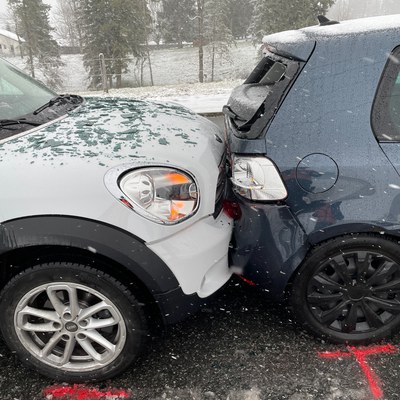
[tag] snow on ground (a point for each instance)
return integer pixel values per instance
(169, 66)
(175, 76)
(203, 98)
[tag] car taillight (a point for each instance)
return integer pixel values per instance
(232, 209)
(257, 178)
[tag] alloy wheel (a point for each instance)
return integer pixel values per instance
(355, 292)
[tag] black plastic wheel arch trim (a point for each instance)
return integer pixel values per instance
(109, 241)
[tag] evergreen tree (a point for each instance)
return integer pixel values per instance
(115, 28)
(271, 16)
(33, 25)
(213, 31)
(177, 21)
(240, 13)
(217, 30)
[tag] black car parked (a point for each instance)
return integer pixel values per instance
(313, 138)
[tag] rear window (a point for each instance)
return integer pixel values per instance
(258, 98)
(386, 108)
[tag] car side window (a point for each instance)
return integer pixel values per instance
(386, 108)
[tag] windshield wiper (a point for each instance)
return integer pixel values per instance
(61, 99)
(10, 122)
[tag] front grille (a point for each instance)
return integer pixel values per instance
(221, 187)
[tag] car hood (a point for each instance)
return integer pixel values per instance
(61, 168)
(111, 130)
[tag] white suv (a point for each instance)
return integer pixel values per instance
(111, 223)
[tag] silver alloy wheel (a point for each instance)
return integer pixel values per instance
(70, 326)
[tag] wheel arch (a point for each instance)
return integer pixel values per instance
(33, 240)
(334, 231)
(318, 239)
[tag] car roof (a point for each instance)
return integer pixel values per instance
(298, 43)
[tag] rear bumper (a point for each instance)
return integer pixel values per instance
(269, 245)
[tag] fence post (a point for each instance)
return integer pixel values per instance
(103, 73)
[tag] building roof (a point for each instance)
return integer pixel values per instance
(11, 35)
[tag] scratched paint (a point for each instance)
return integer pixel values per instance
(82, 392)
(360, 354)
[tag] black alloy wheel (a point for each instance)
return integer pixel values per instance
(348, 289)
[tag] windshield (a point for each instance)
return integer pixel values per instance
(19, 94)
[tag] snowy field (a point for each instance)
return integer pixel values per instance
(175, 75)
(170, 67)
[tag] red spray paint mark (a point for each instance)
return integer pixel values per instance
(360, 355)
(248, 281)
(81, 392)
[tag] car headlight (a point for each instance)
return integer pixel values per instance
(257, 178)
(164, 195)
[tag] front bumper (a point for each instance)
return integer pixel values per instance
(198, 255)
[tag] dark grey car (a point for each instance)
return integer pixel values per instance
(314, 144)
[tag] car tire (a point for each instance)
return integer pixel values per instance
(72, 322)
(348, 289)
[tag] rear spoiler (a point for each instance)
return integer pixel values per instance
(294, 45)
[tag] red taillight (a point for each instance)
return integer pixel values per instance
(232, 209)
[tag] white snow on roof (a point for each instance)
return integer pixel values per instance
(10, 35)
(360, 25)
(285, 37)
(354, 26)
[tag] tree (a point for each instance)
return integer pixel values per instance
(275, 15)
(200, 40)
(218, 30)
(341, 10)
(68, 22)
(240, 13)
(391, 7)
(114, 28)
(176, 21)
(32, 23)
(213, 31)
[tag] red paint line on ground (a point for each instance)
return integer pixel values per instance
(81, 392)
(248, 281)
(360, 354)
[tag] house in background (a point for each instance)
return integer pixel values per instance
(10, 43)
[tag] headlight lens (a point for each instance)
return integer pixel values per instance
(257, 178)
(165, 195)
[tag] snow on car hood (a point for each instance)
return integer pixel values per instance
(110, 131)
(60, 168)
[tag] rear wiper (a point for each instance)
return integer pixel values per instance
(230, 113)
(10, 122)
(61, 99)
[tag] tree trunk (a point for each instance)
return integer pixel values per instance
(29, 39)
(200, 15)
(118, 73)
(212, 63)
(150, 68)
(214, 37)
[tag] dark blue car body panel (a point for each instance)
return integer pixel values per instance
(339, 178)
